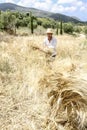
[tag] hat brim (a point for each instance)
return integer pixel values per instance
(49, 32)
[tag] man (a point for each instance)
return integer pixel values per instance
(50, 43)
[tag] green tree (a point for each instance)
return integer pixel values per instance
(39, 21)
(1, 24)
(57, 28)
(32, 24)
(9, 21)
(0, 12)
(77, 29)
(61, 27)
(68, 28)
(46, 23)
(85, 30)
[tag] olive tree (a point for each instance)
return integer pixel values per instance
(8, 21)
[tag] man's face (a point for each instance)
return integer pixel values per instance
(49, 35)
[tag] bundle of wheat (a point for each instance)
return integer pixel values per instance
(68, 102)
(62, 103)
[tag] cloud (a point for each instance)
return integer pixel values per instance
(40, 4)
(79, 3)
(75, 3)
(82, 8)
(66, 1)
(62, 9)
(43, 5)
(10, 1)
(2, 1)
(71, 6)
(26, 2)
(60, 6)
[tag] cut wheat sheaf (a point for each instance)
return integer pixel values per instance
(40, 93)
(68, 101)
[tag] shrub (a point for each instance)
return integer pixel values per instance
(85, 30)
(5, 67)
(8, 21)
(1, 26)
(34, 25)
(77, 29)
(68, 28)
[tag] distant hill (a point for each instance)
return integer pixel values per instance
(76, 18)
(39, 13)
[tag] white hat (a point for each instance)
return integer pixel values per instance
(49, 30)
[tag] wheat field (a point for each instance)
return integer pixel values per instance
(41, 93)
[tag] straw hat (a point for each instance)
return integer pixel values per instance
(49, 30)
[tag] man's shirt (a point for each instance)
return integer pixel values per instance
(52, 44)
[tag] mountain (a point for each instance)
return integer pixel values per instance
(76, 18)
(39, 13)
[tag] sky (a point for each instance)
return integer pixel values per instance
(77, 8)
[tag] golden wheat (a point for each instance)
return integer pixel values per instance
(40, 93)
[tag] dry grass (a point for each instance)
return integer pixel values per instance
(38, 92)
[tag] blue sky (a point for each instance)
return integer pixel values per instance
(76, 8)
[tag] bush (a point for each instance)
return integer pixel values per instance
(47, 23)
(68, 28)
(1, 26)
(5, 67)
(85, 30)
(77, 29)
(39, 21)
(34, 25)
(8, 21)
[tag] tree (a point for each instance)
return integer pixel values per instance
(0, 12)
(57, 28)
(68, 28)
(31, 22)
(61, 27)
(39, 21)
(1, 24)
(8, 21)
(85, 30)
(46, 22)
(77, 29)
(34, 25)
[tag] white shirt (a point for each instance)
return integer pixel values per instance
(52, 44)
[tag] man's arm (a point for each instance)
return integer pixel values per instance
(40, 49)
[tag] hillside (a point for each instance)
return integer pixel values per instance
(38, 13)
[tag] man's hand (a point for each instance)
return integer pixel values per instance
(37, 48)
(46, 50)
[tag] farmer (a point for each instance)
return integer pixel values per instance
(50, 43)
